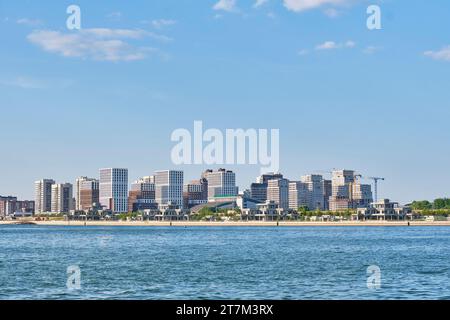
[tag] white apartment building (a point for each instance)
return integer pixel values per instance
(62, 198)
(298, 195)
(114, 189)
(43, 195)
(278, 192)
(315, 191)
(221, 183)
(169, 187)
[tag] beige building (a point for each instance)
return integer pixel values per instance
(278, 192)
(62, 198)
(298, 195)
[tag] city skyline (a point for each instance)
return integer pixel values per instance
(326, 175)
(341, 95)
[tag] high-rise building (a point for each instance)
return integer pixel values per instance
(142, 195)
(348, 192)
(278, 191)
(258, 190)
(88, 194)
(62, 198)
(221, 184)
(315, 194)
(78, 183)
(327, 192)
(264, 178)
(43, 195)
(298, 195)
(169, 187)
(195, 193)
(148, 179)
(361, 195)
(341, 182)
(114, 189)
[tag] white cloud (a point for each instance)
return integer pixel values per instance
(95, 44)
(371, 49)
(302, 52)
(330, 45)
(27, 82)
(332, 13)
(160, 23)
(24, 83)
(327, 45)
(303, 5)
(443, 54)
(259, 3)
(225, 5)
(350, 44)
(29, 22)
(115, 15)
(124, 33)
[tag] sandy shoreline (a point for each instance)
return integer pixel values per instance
(234, 224)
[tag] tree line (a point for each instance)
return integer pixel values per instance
(437, 204)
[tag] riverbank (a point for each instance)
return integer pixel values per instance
(232, 224)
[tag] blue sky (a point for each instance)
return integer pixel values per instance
(111, 94)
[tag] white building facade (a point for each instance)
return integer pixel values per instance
(43, 195)
(114, 189)
(169, 187)
(221, 183)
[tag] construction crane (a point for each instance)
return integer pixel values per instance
(375, 183)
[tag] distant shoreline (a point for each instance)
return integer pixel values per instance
(231, 224)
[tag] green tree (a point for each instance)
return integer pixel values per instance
(422, 205)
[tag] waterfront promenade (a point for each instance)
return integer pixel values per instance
(232, 223)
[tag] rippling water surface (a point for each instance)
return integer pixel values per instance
(224, 263)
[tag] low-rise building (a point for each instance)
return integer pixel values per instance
(383, 210)
(166, 212)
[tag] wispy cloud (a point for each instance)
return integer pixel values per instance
(443, 54)
(225, 5)
(27, 82)
(330, 45)
(371, 49)
(259, 3)
(331, 8)
(332, 12)
(101, 44)
(327, 45)
(303, 5)
(117, 15)
(29, 22)
(24, 83)
(161, 23)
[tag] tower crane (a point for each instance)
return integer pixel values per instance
(375, 182)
